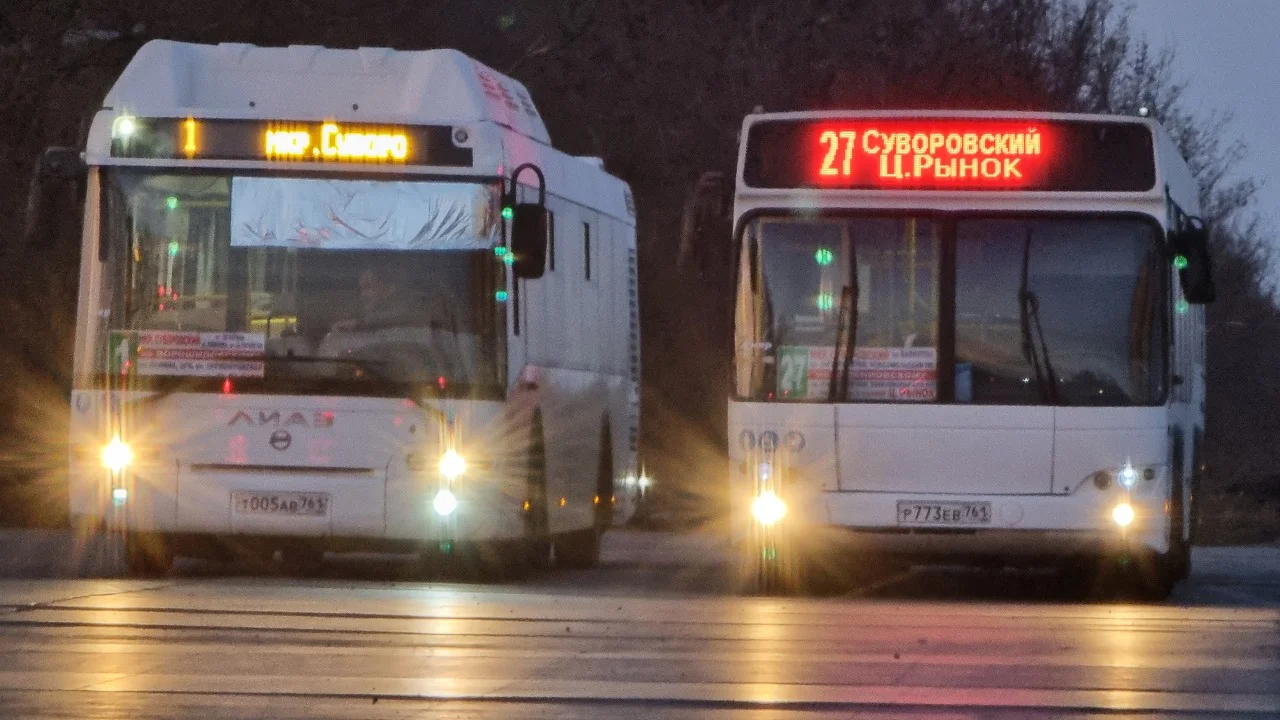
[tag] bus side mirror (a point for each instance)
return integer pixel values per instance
(702, 223)
(58, 169)
(529, 240)
(62, 163)
(1195, 266)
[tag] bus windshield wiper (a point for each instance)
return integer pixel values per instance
(846, 343)
(1029, 314)
(368, 366)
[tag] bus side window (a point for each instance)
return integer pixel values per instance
(551, 241)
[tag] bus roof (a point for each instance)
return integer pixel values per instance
(308, 82)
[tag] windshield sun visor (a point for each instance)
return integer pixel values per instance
(329, 214)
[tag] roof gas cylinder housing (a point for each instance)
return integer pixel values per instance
(305, 103)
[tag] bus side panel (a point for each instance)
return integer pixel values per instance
(624, 360)
(564, 345)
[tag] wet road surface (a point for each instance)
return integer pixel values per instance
(653, 634)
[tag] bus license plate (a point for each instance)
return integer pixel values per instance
(944, 513)
(281, 503)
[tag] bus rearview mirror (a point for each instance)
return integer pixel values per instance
(58, 171)
(1195, 269)
(529, 240)
(62, 163)
(702, 225)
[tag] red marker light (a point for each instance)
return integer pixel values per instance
(441, 382)
(226, 386)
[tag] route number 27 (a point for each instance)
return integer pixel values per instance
(833, 141)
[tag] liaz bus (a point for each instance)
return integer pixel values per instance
(966, 336)
(335, 299)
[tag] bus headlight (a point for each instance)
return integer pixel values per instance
(452, 464)
(116, 455)
(445, 503)
(124, 127)
(768, 508)
(1122, 514)
(1127, 477)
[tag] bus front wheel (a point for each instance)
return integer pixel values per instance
(147, 554)
(580, 549)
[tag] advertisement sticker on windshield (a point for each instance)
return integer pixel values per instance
(193, 354)
(888, 374)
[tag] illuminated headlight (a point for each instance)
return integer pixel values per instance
(445, 502)
(1127, 477)
(765, 471)
(117, 455)
(1122, 514)
(768, 508)
(124, 126)
(119, 496)
(452, 464)
(645, 482)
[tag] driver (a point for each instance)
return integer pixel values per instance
(384, 300)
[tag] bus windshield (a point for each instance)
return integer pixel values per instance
(1012, 310)
(301, 285)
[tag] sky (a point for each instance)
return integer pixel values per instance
(1227, 50)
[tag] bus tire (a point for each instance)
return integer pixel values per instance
(580, 549)
(604, 481)
(1176, 563)
(301, 558)
(146, 554)
(771, 565)
(1144, 575)
(1079, 577)
(535, 547)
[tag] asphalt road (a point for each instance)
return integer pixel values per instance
(651, 634)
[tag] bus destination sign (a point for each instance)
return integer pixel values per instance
(286, 141)
(946, 154)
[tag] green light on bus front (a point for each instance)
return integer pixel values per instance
(171, 202)
(825, 301)
(1180, 262)
(1182, 307)
(824, 256)
(174, 248)
(500, 296)
(508, 213)
(499, 251)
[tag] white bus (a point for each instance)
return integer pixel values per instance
(336, 299)
(966, 336)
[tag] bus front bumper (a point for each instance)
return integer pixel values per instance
(1023, 526)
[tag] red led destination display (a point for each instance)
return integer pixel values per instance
(946, 154)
